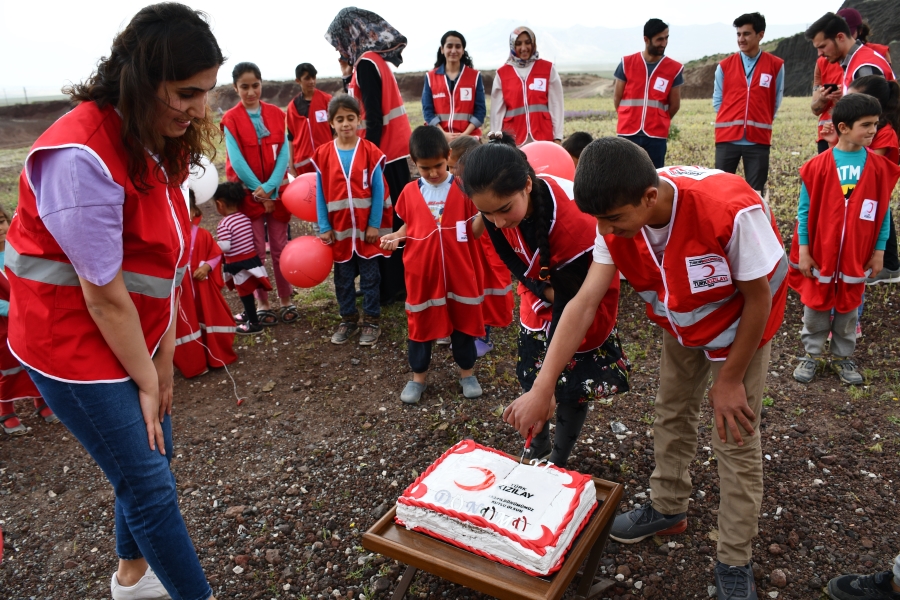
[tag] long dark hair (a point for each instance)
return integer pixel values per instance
(442, 60)
(163, 42)
(888, 95)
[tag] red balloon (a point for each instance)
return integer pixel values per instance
(550, 159)
(299, 197)
(306, 261)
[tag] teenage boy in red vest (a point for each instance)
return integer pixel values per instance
(648, 93)
(843, 219)
(307, 120)
(702, 250)
(832, 39)
(748, 90)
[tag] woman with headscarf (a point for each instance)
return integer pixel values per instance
(367, 43)
(527, 97)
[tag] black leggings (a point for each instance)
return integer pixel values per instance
(570, 419)
(249, 303)
(461, 344)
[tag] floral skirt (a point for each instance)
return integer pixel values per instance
(598, 373)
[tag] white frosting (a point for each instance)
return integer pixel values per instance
(492, 504)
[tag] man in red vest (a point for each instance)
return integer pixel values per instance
(648, 93)
(748, 91)
(832, 39)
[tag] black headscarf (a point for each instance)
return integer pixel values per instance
(355, 31)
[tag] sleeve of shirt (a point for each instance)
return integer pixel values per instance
(867, 70)
(498, 106)
(620, 71)
(480, 111)
(223, 237)
(238, 163)
(321, 206)
(82, 208)
(377, 210)
(601, 251)
(881, 242)
(557, 105)
(754, 249)
(679, 79)
(278, 173)
(428, 105)
(370, 89)
(717, 88)
(779, 89)
(803, 216)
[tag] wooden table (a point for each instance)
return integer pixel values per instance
(420, 551)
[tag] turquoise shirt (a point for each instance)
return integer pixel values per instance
(849, 166)
(377, 210)
(240, 166)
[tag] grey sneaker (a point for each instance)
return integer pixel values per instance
(735, 583)
(885, 276)
(846, 371)
(470, 386)
(863, 587)
(645, 521)
(370, 334)
(806, 369)
(443, 341)
(344, 332)
(412, 393)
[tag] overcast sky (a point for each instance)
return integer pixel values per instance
(43, 44)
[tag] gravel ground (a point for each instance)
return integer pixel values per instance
(277, 492)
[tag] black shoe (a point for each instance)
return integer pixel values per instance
(536, 452)
(863, 587)
(645, 521)
(735, 583)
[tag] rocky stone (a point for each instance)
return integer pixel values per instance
(382, 584)
(273, 557)
(776, 550)
(242, 560)
(624, 571)
(778, 578)
(235, 511)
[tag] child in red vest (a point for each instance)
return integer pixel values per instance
(353, 208)
(498, 305)
(307, 120)
(14, 381)
(842, 228)
(205, 327)
(444, 284)
(244, 271)
(258, 155)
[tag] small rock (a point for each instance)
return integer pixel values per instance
(354, 361)
(273, 557)
(705, 550)
(382, 584)
(238, 570)
(70, 564)
(638, 585)
(711, 591)
(867, 543)
(235, 511)
(773, 594)
(380, 510)
(270, 385)
(624, 571)
(776, 550)
(366, 426)
(618, 427)
(242, 560)
(815, 583)
(620, 577)
(778, 578)
(828, 460)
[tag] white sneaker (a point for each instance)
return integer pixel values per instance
(147, 588)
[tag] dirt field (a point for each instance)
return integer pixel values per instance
(284, 485)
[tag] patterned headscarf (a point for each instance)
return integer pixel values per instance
(355, 31)
(513, 57)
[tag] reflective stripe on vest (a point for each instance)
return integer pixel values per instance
(217, 328)
(302, 162)
(188, 338)
(466, 299)
(650, 104)
(53, 272)
(526, 109)
(456, 117)
(349, 203)
(825, 280)
(498, 291)
(443, 301)
(390, 116)
(360, 235)
(10, 372)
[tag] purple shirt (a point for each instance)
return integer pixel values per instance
(81, 206)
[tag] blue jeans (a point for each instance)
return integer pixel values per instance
(655, 147)
(106, 418)
(369, 273)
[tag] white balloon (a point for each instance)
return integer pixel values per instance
(203, 180)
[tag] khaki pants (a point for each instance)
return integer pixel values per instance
(683, 378)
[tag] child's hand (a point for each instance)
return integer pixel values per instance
(327, 237)
(391, 241)
(202, 272)
(807, 264)
(260, 194)
(371, 235)
(876, 263)
(269, 205)
(529, 410)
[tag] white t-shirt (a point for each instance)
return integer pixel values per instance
(753, 251)
(436, 195)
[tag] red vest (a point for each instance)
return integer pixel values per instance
(830, 73)
(396, 130)
(842, 232)
(497, 309)
(645, 101)
(309, 133)
(260, 155)
(527, 102)
(881, 49)
(572, 234)
(455, 108)
(50, 328)
(747, 109)
(444, 286)
(886, 139)
(866, 56)
(15, 384)
(349, 198)
(691, 294)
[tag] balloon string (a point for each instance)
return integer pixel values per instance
(199, 341)
(439, 228)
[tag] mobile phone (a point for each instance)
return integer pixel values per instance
(830, 87)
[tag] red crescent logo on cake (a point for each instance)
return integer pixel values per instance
(489, 479)
(418, 492)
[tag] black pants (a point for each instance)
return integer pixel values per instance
(822, 146)
(570, 419)
(654, 147)
(891, 261)
(756, 162)
(393, 285)
(461, 344)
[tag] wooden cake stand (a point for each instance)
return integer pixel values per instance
(420, 551)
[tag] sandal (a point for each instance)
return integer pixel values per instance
(46, 413)
(248, 329)
(289, 314)
(267, 318)
(241, 318)
(16, 430)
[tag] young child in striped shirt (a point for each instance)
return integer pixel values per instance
(244, 272)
